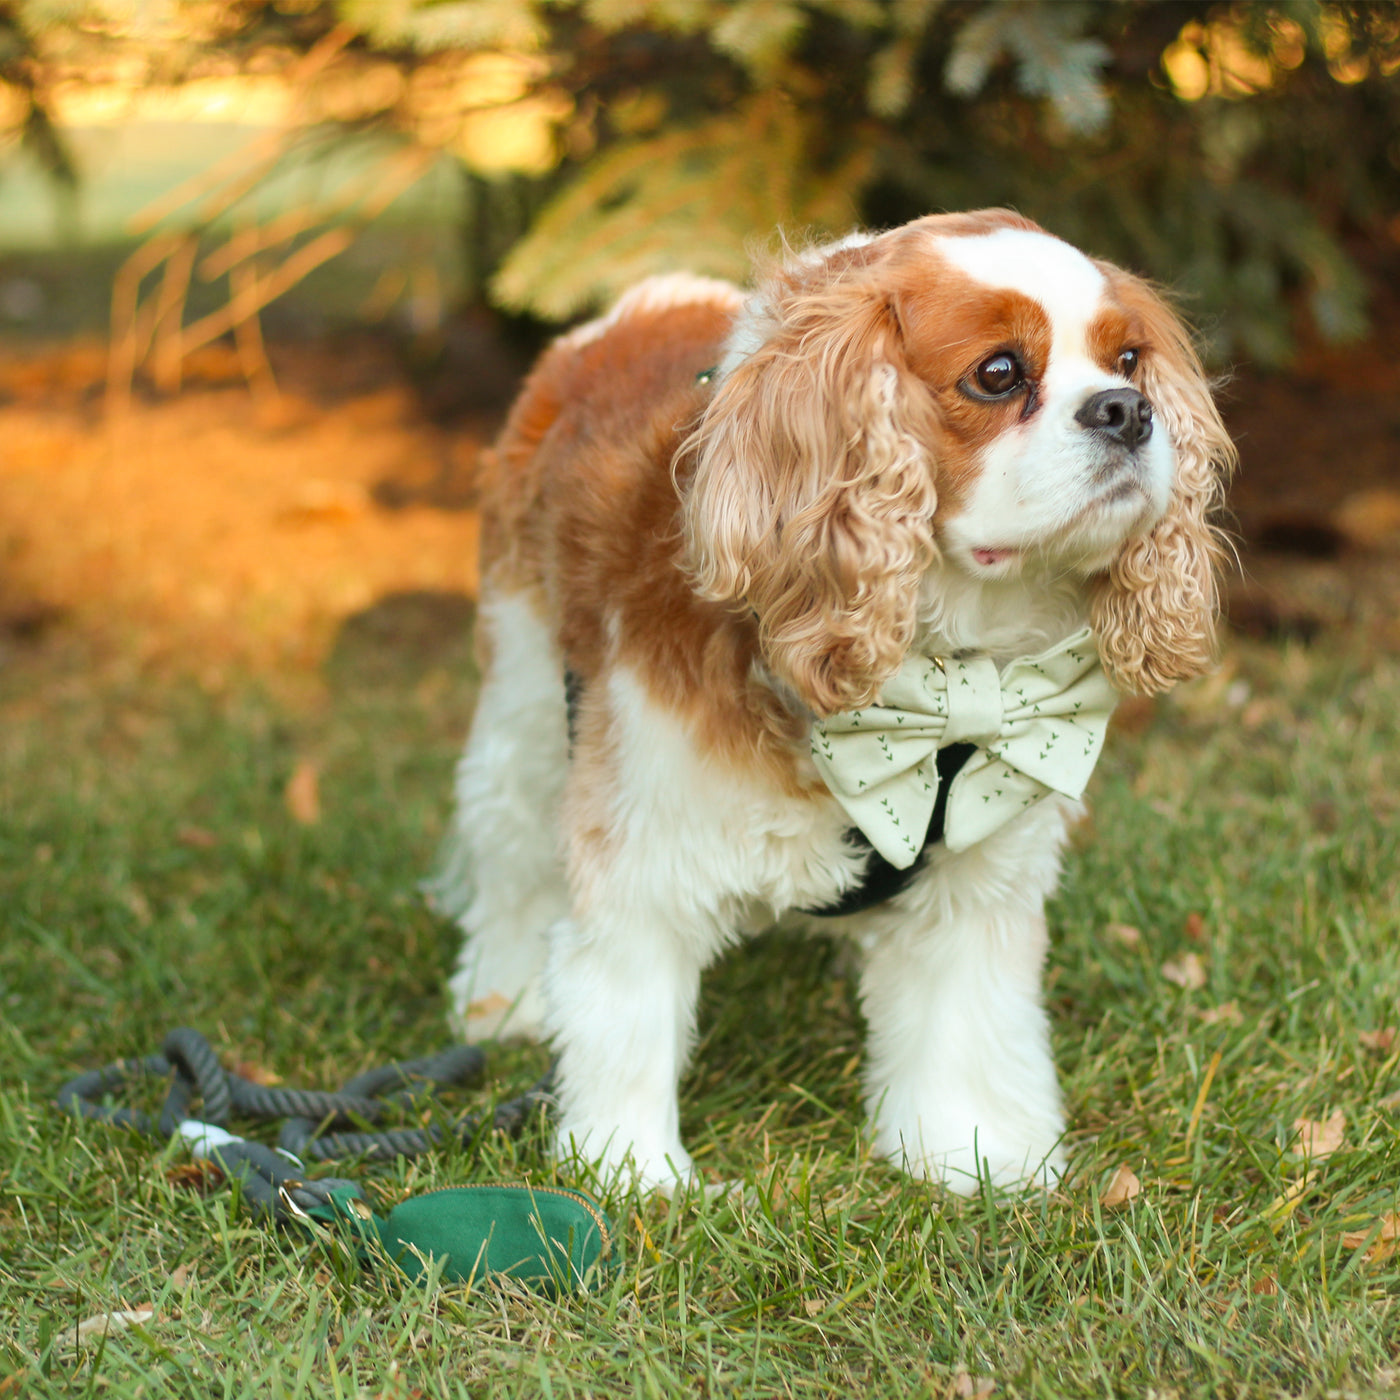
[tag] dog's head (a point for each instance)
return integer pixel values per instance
(970, 393)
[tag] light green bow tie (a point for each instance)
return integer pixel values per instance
(1039, 727)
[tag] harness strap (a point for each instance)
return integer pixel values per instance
(882, 880)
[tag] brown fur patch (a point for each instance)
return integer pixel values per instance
(583, 516)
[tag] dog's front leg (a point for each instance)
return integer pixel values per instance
(961, 1082)
(621, 991)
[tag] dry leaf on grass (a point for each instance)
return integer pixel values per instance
(256, 1073)
(95, 1328)
(303, 793)
(1123, 1188)
(1195, 927)
(1382, 1041)
(197, 838)
(1383, 1245)
(1227, 1013)
(1125, 934)
(967, 1387)
(1320, 1139)
(1187, 971)
(200, 1175)
(1265, 1287)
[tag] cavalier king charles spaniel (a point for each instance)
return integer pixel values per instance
(812, 605)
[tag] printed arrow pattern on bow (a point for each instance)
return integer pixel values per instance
(880, 761)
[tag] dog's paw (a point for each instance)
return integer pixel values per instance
(963, 1169)
(668, 1170)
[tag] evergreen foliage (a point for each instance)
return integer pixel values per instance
(1244, 151)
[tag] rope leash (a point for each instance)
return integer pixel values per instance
(547, 1235)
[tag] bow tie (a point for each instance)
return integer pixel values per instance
(1038, 725)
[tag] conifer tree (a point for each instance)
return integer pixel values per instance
(1244, 151)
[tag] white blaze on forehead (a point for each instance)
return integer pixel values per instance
(1056, 275)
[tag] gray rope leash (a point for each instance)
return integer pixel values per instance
(271, 1177)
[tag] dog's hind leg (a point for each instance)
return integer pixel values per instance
(500, 875)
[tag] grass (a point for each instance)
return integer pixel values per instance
(152, 875)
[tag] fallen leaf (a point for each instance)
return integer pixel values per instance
(101, 1324)
(180, 1279)
(1125, 934)
(813, 1307)
(1382, 1041)
(1123, 1188)
(200, 1175)
(303, 793)
(1265, 1287)
(1384, 1244)
(1187, 971)
(1227, 1013)
(966, 1386)
(1195, 927)
(1320, 1139)
(197, 838)
(256, 1074)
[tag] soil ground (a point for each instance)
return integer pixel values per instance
(220, 534)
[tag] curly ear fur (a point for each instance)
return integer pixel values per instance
(811, 493)
(1155, 608)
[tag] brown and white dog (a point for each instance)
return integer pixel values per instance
(723, 517)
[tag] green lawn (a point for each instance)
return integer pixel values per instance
(151, 875)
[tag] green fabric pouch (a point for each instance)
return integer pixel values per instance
(547, 1236)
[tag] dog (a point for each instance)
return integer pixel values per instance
(776, 590)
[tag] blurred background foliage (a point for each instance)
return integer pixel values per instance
(1246, 153)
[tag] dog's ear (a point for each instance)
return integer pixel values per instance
(809, 489)
(1155, 608)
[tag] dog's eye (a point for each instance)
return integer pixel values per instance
(1128, 362)
(999, 374)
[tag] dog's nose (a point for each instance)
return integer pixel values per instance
(1123, 414)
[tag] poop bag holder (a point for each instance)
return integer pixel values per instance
(547, 1236)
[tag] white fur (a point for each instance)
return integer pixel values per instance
(961, 1082)
(1050, 271)
(655, 294)
(502, 875)
(698, 855)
